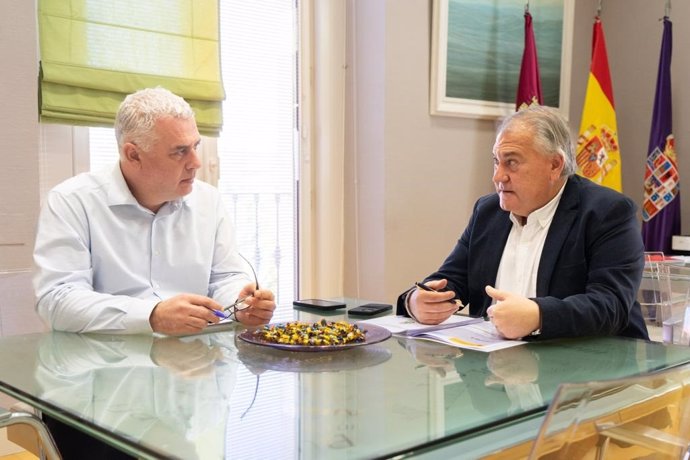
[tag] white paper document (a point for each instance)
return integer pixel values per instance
(458, 331)
(480, 336)
(397, 324)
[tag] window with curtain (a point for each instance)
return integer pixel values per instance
(94, 52)
(257, 152)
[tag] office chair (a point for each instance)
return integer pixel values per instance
(46, 442)
(664, 295)
(646, 416)
(675, 317)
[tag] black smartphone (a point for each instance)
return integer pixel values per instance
(319, 304)
(370, 309)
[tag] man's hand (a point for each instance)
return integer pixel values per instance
(513, 315)
(184, 314)
(260, 306)
(430, 307)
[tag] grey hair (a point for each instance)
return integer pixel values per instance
(551, 133)
(137, 115)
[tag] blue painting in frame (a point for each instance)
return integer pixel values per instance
(477, 48)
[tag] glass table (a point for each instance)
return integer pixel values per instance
(214, 396)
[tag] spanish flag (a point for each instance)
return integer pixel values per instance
(598, 157)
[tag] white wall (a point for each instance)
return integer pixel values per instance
(19, 194)
(406, 198)
(412, 178)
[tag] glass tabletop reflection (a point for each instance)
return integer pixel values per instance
(214, 396)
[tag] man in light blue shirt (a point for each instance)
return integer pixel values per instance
(143, 247)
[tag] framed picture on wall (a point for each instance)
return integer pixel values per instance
(477, 49)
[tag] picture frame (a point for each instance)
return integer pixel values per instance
(482, 89)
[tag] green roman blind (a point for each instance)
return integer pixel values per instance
(95, 52)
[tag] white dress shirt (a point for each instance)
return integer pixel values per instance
(517, 272)
(103, 261)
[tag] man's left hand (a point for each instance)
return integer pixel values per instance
(513, 315)
(261, 306)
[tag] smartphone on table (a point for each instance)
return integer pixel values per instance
(319, 304)
(370, 309)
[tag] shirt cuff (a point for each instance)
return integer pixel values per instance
(137, 320)
(407, 305)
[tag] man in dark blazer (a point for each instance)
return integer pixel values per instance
(565, 255)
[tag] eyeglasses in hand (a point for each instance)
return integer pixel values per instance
(239, 304)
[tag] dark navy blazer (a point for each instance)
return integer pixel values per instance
(590, 268)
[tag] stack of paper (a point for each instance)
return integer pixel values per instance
(458, 331)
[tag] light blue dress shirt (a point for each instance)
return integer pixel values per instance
(103, 261)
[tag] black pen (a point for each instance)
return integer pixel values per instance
(424, 287)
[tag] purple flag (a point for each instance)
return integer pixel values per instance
(661, 207)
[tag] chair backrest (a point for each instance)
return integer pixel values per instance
(675, 316)
(644, 416)
(649, 293)
(664, 295)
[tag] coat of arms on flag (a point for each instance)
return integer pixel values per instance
(596, 149)
(660, 179)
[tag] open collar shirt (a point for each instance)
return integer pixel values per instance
(517, 272)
